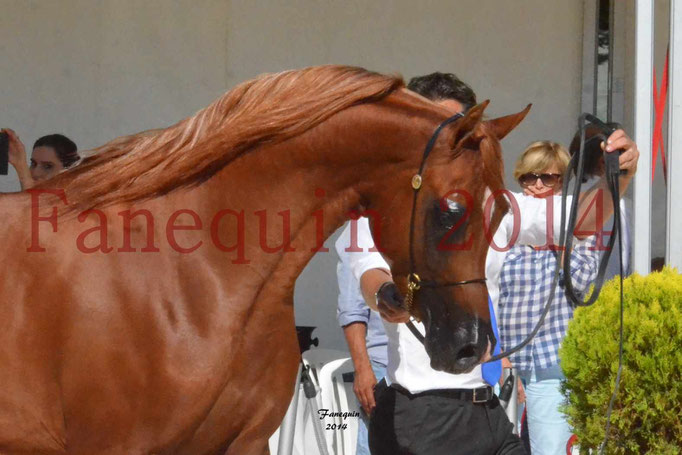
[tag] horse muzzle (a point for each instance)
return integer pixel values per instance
(457, 346)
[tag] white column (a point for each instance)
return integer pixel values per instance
(673, 251)
(644, 37)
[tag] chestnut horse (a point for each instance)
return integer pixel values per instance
(153, 314)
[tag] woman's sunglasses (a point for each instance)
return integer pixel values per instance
(530, 178)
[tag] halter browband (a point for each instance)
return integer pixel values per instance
(414, 282)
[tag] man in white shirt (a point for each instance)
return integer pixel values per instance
(424, 411)
(362, 327)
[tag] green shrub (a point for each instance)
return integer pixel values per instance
(647, 415)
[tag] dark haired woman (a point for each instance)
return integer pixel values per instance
(51, 155)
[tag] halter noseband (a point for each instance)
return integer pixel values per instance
(414, 282)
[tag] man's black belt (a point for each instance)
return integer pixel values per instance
(478, 395)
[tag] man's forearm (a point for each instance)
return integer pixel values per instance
(618, 142)
(370, 282)
(592, 217)
(355, 334)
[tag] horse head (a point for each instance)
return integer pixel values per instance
(458, 208)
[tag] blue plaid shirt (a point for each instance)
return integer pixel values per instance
(525, 284)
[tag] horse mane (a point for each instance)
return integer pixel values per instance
(268, 109)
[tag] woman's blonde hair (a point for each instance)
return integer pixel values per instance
(540, 155)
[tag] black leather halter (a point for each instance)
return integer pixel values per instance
(414, 282)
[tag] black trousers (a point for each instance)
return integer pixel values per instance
(433, 423)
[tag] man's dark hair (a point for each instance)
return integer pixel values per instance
(593, 152)
(443, 86)
(63, 147)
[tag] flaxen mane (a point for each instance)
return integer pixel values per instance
(268, 109)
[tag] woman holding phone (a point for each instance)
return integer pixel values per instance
(51, 155)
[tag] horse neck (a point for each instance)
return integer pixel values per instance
(317, 179)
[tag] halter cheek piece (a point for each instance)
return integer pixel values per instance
(414, 282)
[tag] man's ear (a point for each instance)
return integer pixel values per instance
(504, 125)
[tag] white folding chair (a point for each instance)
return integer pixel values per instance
(316, 360)
(338, 397)
(304, 439)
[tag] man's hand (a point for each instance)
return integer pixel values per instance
(363, 386)
(619, 140)
(390, 303)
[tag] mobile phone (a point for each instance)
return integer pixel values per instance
(4, 153)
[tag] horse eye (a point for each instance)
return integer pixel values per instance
(453, 205)
(451, 214)
(448, 225)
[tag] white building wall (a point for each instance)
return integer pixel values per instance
(97, 70)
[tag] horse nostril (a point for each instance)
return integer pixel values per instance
(467, 355)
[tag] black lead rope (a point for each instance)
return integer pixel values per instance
(612, 167)
(612, 401)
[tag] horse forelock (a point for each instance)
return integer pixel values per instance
(268, 109)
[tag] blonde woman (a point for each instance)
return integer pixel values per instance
(540, 168)
(525, 281)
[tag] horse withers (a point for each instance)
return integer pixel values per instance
(147, 295)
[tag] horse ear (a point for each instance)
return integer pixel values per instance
(471, 119)
(503, 125)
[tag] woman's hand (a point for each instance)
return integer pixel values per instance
(17, 158)
(17, 151)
